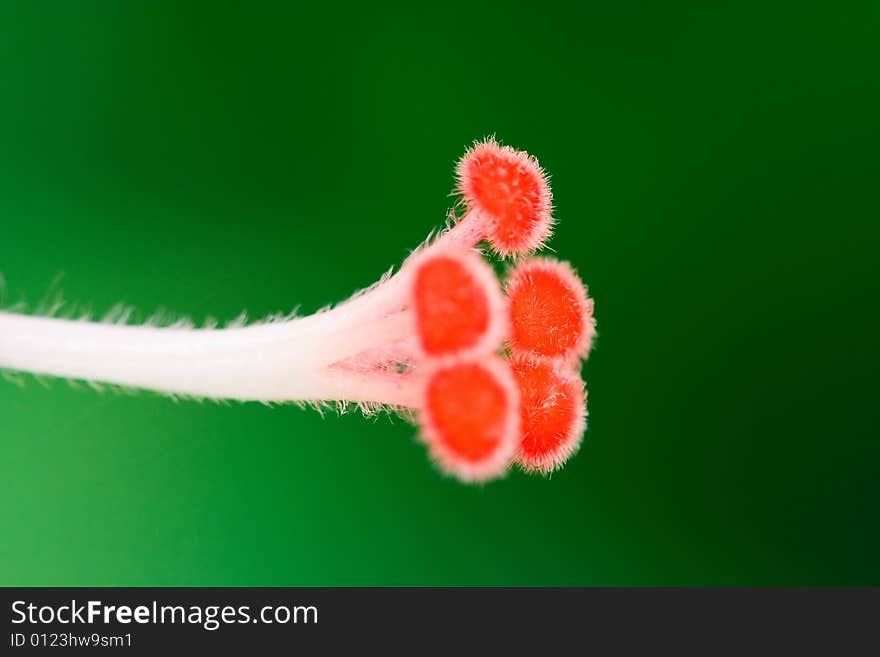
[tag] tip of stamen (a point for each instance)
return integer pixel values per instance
(458, 304)
(470, 418)
(552, 411)
(509, 189)
(550, 313)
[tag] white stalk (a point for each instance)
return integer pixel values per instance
(303, 359)
(385, 299)
(466, 233)
(281, 361)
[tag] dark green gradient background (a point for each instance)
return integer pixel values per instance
(716, 180)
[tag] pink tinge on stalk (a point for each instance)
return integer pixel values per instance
(550, 313)
(470, 417)
(451, 305)
(509, 204)
(507, 192)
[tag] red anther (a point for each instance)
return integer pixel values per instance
(552, 410)
(550, 314)
(470, 416)
(509, 189)
(458, 303)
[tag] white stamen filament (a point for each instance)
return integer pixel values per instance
(340, 354)
(278, 361)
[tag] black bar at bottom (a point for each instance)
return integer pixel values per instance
(460, 620)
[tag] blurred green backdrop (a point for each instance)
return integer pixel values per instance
(716, 180)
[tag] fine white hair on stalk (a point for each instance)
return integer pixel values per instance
(280, 358)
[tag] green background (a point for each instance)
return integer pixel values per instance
(715, 173)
